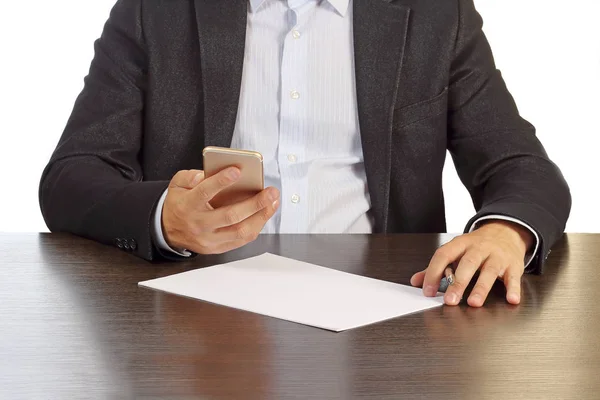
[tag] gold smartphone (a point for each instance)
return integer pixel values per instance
(250, 163)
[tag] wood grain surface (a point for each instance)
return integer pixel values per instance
(74, 324)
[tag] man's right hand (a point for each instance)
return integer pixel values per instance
(190, 222)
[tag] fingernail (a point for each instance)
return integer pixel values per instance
(197, 179)
(233, 173)
(513, 298)
(452, 298)
(275, 203)
(476, 298)
(272, 196)
(429, 291)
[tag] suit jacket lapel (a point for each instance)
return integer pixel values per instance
(380, 30)
(222, 33)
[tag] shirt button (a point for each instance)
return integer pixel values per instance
(295, 95)
(295, 199)
(292, 158)
(296, 34)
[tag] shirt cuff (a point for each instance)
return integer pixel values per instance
(529, 256)
(159, 238)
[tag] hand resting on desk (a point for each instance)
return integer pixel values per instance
(497, 248)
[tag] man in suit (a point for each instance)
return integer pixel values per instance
(353, 104)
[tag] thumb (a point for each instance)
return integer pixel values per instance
(187, 179)
(417, 279)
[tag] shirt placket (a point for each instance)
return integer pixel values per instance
(293, 124)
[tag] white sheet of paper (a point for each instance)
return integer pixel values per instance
(296, 291)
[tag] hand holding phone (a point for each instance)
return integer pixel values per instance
(192, 220)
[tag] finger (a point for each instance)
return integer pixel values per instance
(417, 279)
(210, 187)
(512, 281)
(187, 179)
(443, 257)
(205, 247)
(229, 246)
(490, 272)
(249, 228)
(233, 237)
(469, 263)
(236, 213)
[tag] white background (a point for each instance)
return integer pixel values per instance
(548, 51)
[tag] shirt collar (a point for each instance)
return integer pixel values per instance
(255, 5)
(341, 6)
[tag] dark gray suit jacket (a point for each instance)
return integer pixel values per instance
(165, 82)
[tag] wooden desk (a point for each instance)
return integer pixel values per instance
(74, 324)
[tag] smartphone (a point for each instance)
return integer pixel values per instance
(250, 163)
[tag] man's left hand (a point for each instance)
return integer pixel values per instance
(497, 248)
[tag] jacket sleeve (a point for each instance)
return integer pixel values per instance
(93, 185)
(496, 152)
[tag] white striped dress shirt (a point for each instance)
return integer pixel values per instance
(298, 109)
